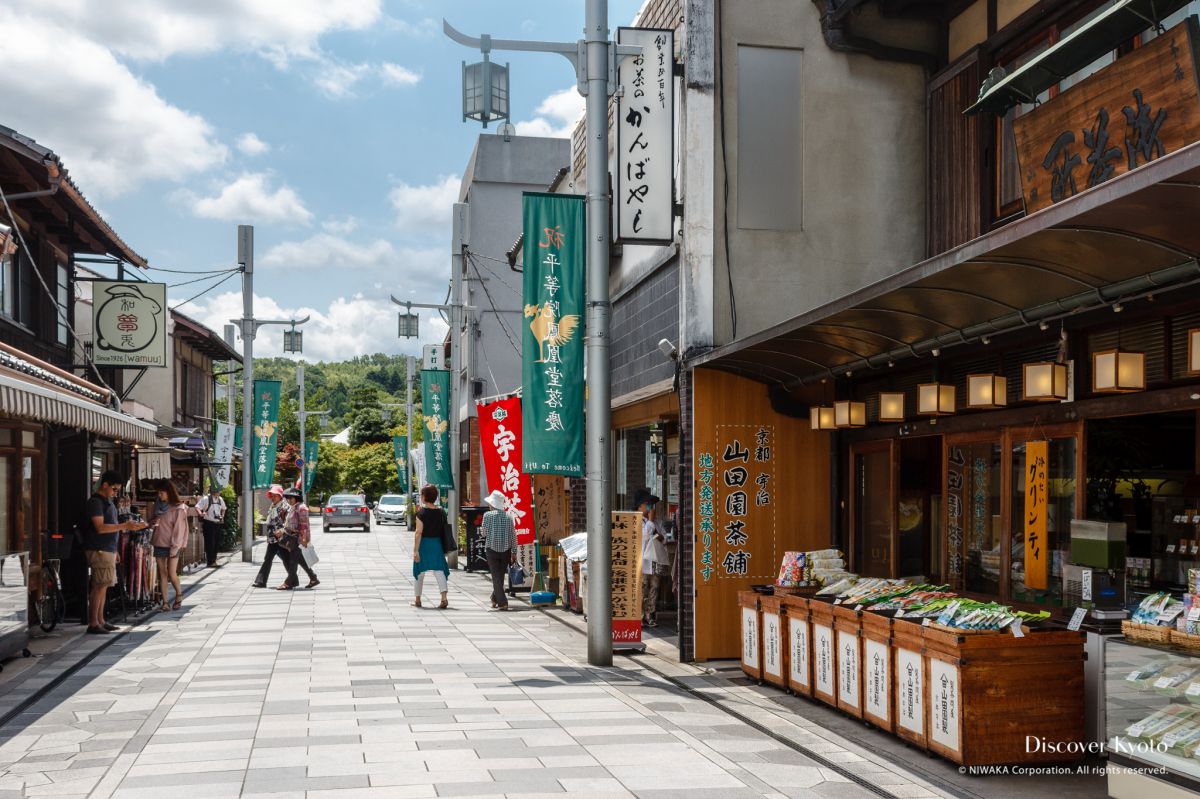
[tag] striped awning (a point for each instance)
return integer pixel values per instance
(23, 399)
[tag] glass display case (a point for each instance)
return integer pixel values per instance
(1152, 716)
(1174, 541)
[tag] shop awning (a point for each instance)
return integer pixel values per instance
(153, 464)
(1131, 236)
(23, 399)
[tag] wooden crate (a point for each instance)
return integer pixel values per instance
(751, 615)
(909, 682)
(878, 672)
(774, 640)
(986, 693)
(798, 645)
(847, 631)
(824, 652)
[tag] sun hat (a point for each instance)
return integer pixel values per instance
(276, 489)
(497, 499)
(293, 493)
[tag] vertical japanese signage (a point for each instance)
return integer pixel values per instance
(500, 440)
(1141, 107)
(222, 453)
(400, 456)
(435, 399)
(643, 193)
(266, 431)
(129, 321)
(552, 339)
(626, 577)
(550, 509)
(736, 506)
(956, 482)
(311, 451)
(418, 461)
(1037, 550)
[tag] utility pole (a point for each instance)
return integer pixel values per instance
(458, 240)
(410, 368)
(300, 418)
(595, 60)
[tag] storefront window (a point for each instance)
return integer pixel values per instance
(973, 480)
(873, 513)
(1059, 509)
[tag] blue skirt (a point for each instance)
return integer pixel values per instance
(433, 557)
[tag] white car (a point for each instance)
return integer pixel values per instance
(391, 509)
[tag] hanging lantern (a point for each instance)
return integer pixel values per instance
(1044, 381)
(849, 414)
(1194, 351)
(821, 418)
(987, 391)
(891, 406)
(935, 399)
(1118, 371)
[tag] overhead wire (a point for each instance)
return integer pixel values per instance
(493, 272)
(499, 317)
(199, 279)
(205, 291)
(187, 271)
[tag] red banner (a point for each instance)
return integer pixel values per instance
(500, 440)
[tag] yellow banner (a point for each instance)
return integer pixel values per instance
(1037, 546)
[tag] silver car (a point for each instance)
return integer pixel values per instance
(346, 510)
(391, 509)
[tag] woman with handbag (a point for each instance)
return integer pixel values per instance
(430, 546)
(170, 536)
(296, 535)
(500, 536)
(276, 515)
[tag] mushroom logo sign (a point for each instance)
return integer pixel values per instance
(130, 323)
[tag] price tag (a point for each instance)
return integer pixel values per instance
(1168, 615)
(1177, 518)
(900, 614)
(1193, 689)
(1162, 682)
(1134, 676)
(858, 607)
(1194, 614)
(1170, 549)
(1077, 618)
(925, 622)
(1135, 731)
(1016, 629)
(1196, 519)
(1170, 739)
(1195, 548)
(836, 601)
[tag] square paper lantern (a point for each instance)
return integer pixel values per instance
(1044, 381)
(987, 391)
(1194, 351)
(1118, 371)
(891, 406)
(821, 418)
(935, 399)
(849, 414)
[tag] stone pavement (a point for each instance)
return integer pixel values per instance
(347, 691)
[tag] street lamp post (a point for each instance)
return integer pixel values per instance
(595, 60)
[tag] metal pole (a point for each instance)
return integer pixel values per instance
(458, 233)
(246, 259)
(599, 459)
(303, 457)
(410, 364)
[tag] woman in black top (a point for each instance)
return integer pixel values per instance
(428, 552)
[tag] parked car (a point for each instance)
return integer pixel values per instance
(346, 510)
(392, 509)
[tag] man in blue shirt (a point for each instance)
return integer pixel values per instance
(100, 544)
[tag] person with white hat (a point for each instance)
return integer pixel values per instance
(500, 538)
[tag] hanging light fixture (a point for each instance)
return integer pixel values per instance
(1118, 371)
(821, 417)
(987, 391)
(935, 399)
(891, 406)
(1044, 381)
(847, 413)
(1194, 351)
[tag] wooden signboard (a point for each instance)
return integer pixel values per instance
(551, 519)
(1037, 508)
(751, 467)
(626, 578)
(1140, 108)
(774, 640)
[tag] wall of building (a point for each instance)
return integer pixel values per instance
(861, 167)
(643, 316)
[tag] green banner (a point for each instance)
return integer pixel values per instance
(310, 463)
(552, 340)
(400, 455)
(266, 432)
(237, 437)
(435, 401)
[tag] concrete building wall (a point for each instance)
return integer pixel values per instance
(862, 169)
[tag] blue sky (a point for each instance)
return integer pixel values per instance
(332, 126)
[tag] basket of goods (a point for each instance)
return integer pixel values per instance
(1153, 619)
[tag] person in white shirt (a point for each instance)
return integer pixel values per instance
(654, 556)
(212, 518)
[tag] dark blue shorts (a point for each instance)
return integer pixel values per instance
(162, 552)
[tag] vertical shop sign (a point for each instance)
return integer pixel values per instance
(421, 476)
(552, 336)
(400, 456)
(500, 440)
(644, 191)
(1037, 550)
(550, 511)
(626, 577)
(772, 652)
(823, 659)
(311, 451)
(435, 401)
(266, 430)
(849, 675)
(798, 667)
(750, 638)
(875, 658)
(910, 705)
(223, 453)
(956, 485)
(736, 497)
(943, 690)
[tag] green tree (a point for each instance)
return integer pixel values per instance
(371, 468)
(328, 477)
(368, 427)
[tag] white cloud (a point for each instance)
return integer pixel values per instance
(426, 209)
(250, 144)
(556, 116)
(337, 79)
(111, 128)
(347, 327)
(340, 227)
(396, 75)
(411, 272)
(250, 199)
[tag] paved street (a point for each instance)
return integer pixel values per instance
(347, 691)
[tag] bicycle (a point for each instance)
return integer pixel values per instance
(51, 605)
